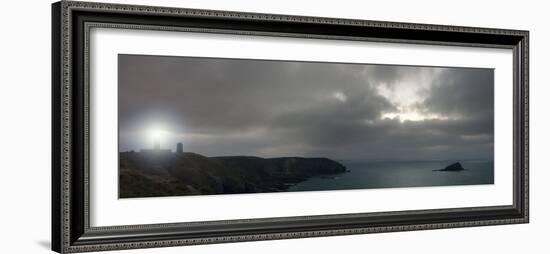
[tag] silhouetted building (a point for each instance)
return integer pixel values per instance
(156, 150)
(159, 151)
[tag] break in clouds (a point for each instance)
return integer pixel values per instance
(283, 108)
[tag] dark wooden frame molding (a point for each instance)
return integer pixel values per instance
(71, 22)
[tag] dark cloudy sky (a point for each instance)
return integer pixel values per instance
(284, 108)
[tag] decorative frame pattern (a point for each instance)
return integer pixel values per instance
(71, 22)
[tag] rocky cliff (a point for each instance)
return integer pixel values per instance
(147, 175)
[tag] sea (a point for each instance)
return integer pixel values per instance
(395, 174)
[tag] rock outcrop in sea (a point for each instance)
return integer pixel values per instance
(453, 167)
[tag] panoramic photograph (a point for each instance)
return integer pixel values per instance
(206, 126)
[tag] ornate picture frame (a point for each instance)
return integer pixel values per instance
(71, 228)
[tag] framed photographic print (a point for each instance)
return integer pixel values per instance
(181, 126)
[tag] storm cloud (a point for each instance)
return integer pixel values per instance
(288, 108)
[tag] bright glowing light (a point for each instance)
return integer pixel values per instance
(157, 134)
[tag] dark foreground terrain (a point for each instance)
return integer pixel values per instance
(177, 174)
